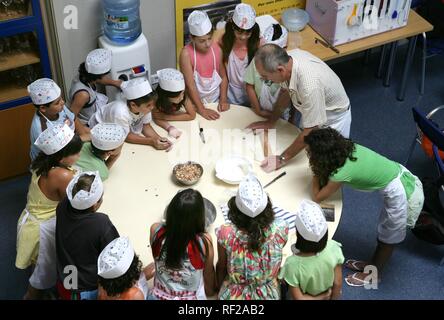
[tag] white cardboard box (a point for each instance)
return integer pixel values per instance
(343, 21)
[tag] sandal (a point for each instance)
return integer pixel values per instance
(352, 264)
(359, 282)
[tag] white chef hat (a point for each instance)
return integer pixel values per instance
(107, 136)
(199, 23)
(98, 61)
(54, 138)
(251, 198)
(244, 16)
(136, 88)
(85, 199)
(115, 260)
(171, 80)
(43, 91)
(310, 221)
(269, 33)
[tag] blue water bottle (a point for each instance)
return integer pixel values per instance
(122, 20)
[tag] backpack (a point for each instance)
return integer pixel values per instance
(430, 224)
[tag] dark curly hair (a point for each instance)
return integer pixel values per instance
(114, 287)
(255, 227)
(163, 102)
(43, 163)
(327, 152)
(228, 40)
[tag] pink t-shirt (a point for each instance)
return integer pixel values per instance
(205, 64)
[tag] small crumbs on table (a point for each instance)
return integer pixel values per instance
(157, 195)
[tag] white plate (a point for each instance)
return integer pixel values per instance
(233, 169)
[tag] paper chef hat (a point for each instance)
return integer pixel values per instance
(251, 198)
(54, 138)
(171, 80)
(85, 199)
(115, 260)
(199, 23)
(107, 136)
(98, 61)
(136, 88)
(43, 91)
(244, 16)
(269, 33)
(310, 221)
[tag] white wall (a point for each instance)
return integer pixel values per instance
(158, 25)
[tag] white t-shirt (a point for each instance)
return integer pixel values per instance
(118, 112)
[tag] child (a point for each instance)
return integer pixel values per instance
(51, 173)
(250, 247)
(133, 114)
(239, 44)
(83, 96)
(81, 235)
(264, 94)
(50, 110)
(170, 100)
(183, 251)
(202, 66)
(104, 149)
(120, 272)
(315, 271)
(335, 160)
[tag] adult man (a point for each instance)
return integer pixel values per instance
(314, 89)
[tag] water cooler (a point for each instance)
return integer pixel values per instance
(129, 61)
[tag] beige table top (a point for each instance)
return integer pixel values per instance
(306, 39)
(141, 185)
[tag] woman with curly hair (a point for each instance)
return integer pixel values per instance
(250, 247)
(120, 272)
(336, 160)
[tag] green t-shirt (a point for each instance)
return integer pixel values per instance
(371, 171)
(314, 274)
(253, 77)
(89, 162)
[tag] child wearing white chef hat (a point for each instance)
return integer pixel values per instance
(104, 149)
(239, 44)
(120, 272)
(133, 113)
(171, 101)
(47, 98)
(252, 241)
(315, 271)
(202, 66)
(263, 95)
(81, 235)
(51, 172)
(83, 95)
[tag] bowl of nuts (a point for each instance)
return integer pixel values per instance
(187, 173)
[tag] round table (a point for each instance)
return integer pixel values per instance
(140, 184)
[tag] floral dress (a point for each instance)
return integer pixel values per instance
(252, 275)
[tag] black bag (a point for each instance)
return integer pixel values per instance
(430, 224)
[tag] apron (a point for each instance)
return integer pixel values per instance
(208, 88)
(399, 211)
(267, 100)
(340, 121)
(44, 275)
(236, 86)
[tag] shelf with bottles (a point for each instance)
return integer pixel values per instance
(14, 9)
(18, 51)
(14, 82)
